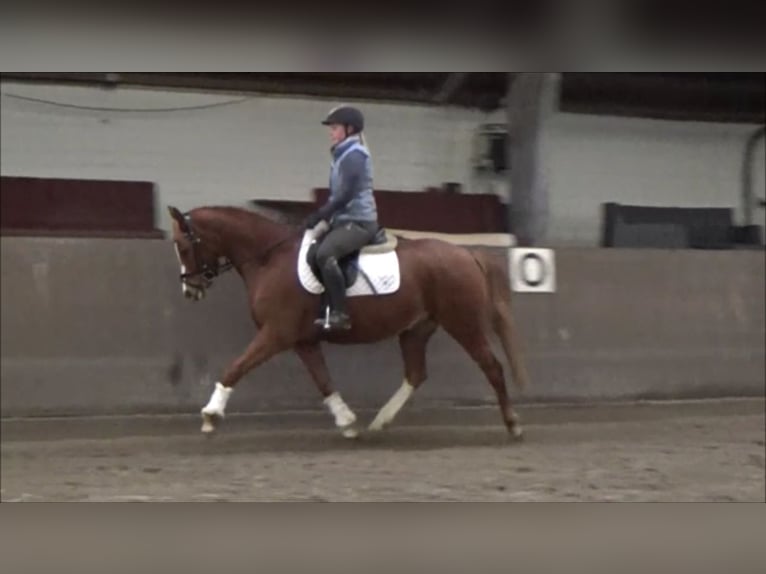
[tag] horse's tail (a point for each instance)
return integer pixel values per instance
(500, 312)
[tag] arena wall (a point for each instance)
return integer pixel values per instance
(99, 326)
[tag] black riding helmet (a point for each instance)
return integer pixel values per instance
(346, 116)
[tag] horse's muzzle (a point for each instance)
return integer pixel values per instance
(194, 292)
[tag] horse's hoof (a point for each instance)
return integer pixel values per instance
(210, 423)
(377, 426)
(516, 433)
(350, 432)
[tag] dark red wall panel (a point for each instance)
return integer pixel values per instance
(30, 206)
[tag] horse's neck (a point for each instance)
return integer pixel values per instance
(246, 237)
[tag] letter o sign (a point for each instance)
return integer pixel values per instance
(533, 270)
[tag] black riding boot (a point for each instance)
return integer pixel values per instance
(335, 284)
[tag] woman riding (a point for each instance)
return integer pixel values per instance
(350, 211)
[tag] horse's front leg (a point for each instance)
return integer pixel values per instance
(264, 346)
(313, 359)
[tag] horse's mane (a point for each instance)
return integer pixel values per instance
(245, 222)
(245, 215)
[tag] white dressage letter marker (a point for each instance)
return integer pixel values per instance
(533, 270)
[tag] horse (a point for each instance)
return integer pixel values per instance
(437, 284)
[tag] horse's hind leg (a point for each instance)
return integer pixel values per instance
(472, 337)
(413, 346)
(313, 359)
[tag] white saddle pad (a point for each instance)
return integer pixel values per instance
(382, 270)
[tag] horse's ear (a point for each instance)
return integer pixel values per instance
(178, 216)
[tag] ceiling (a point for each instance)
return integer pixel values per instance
(713, 96)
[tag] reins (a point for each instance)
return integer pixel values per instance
(209, 273)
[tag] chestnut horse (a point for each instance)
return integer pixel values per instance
(464, 291)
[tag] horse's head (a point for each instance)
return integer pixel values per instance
(199, 262)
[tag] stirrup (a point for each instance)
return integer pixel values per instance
(326, 324)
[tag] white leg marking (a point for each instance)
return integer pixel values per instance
(392, 407)
(344, 416)
(217, 404)
(215, 408)
(516, 430)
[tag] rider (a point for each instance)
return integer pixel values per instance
(350, 211)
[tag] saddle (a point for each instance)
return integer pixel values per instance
(349, 265)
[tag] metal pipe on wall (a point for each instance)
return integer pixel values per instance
(748, 193)
(532, 98)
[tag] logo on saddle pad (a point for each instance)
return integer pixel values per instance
(372, 271)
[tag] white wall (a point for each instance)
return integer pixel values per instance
(593, 160)
(275, 148)
(260, 147)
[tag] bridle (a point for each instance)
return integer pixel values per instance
(208, 272)
(202, 269)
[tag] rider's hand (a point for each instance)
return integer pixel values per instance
(312, 221)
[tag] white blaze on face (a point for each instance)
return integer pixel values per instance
(184, 287)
